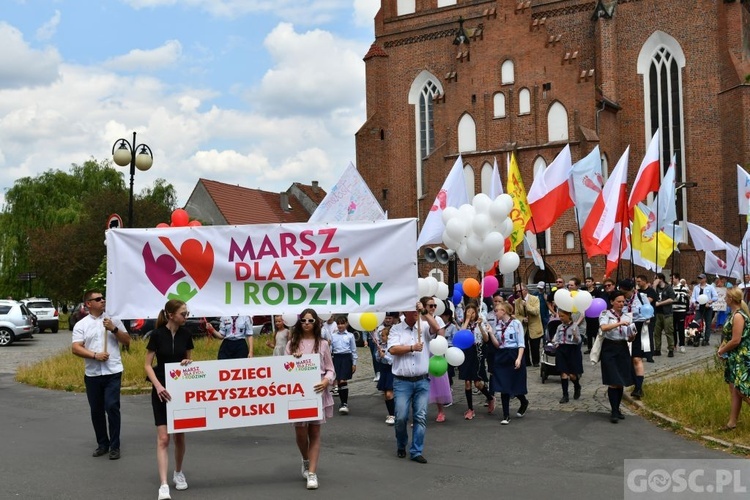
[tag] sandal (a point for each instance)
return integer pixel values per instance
(440, 417)
(727, 428)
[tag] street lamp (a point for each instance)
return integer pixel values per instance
(126, 154)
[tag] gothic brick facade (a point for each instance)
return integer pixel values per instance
(595, 58)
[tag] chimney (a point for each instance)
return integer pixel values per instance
(284, 200)
(315, 187)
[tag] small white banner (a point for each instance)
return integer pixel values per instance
(208, 395)
(263, 269)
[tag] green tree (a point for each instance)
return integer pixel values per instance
(54, 224)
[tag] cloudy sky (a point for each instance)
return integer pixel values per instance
(260, 93)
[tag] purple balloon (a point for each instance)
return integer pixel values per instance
(595, 309)
(463, 339)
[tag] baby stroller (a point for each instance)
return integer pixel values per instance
(693, 332)
(547, 364)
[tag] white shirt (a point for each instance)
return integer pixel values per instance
(91, 332)
(411, 364)
(236, 327)
(327, 331)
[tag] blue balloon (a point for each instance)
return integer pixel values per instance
(457, 296)
(458, 288)
(463, 339)
(647, 311)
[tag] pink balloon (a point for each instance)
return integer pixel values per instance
(195, 223)
(162, 224)
(595, 309)
(490, 286)
(180, 218)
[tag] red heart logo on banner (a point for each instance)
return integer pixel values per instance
(197, 261)
(289, 366)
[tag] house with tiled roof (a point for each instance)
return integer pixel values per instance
(216, 203)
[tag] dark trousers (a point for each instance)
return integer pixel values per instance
(103, 393)
(679, 327)
(592, 329)
(233, 349)
(531, 354)
(373, 349)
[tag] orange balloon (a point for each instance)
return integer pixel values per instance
(471, 287)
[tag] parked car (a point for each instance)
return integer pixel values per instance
(77, 314)
(45, 312)
(15, 322)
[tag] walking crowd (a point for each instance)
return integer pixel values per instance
(510, 333)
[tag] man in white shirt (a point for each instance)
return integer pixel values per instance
(408, 343)
(97, 339)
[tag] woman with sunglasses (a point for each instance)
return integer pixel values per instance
(170, 342)
(306, 339)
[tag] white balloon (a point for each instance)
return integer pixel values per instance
(380, 317)
(432, 285)
(475, 244)
(702, 298)
(493, 243)
(422, 287)
(481, 203)
(442, 291)
(466, 212)
(289, 319)
(449, 213)
(507, 200)
(498, 210)
(564, 300)
(450, 242)
(439, 307)
(456, 228)
(438, 345)
(325, 316)
(481, 225)
(354, 321)
(506, 228)
(454, 356)
(508, 262)
(485, 264)
(582, 300)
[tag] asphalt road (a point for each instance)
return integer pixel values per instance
(47, 442)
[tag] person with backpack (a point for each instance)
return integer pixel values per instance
(679, 310)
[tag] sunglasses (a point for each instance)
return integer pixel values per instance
(307, 321)
(96, 299)
(432, 306)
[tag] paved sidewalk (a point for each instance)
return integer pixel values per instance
(546, 396)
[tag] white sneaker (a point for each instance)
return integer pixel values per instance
(179, 481)
(377, 377)
(312, 481)
(344, 410)
(505, 421)
(390, 420)
(305, 468)
(682, 348)
(164, 492)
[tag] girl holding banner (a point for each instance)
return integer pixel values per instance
(170, 342)
(306, 339)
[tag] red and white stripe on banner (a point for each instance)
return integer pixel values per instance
(303, 408)
(191, 418)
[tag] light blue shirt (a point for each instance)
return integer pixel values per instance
(510, 334)
(236, 327)
(710, 292)
(344, 343)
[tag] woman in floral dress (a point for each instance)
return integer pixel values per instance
(735, 350)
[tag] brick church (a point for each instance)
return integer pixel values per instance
(483, 78)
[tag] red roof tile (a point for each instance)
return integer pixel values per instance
(240, 205)
(375, 51)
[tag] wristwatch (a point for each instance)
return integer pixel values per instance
(115, 330)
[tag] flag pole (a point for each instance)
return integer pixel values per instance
(580, 240)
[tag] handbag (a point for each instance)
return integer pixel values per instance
(596, 349)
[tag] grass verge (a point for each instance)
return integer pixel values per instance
(64, 371)
(699, 400)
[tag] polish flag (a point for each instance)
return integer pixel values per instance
(549, 196)
(648, 177)
(299, 409)
(191, 418)
(608, 209)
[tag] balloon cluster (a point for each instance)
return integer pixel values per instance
(431, 287)
(575, 301)
(442, 356)
(180, 218)
(478, 232)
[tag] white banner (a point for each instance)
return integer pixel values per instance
(209, 395)
(350, 199)
(263, 269)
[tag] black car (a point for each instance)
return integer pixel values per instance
(77, 314)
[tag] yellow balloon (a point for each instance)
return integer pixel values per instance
(369, 321)
(573, 294)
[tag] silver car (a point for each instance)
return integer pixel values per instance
(46, 313)
(15, 322)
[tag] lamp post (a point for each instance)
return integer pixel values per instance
(126, 154)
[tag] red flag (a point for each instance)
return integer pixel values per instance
(549, 196)
(649, 175)
(608, 209)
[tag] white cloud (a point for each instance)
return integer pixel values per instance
(48, 29)
(364, 12)
(22, 66)
(313, 71)
(147, 60)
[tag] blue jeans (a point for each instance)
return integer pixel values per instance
(103, 393)
(415, 395)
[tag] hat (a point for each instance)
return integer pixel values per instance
(729, 284)
(626, 284)
(701, 276)
(541, 285)
(393, 314)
